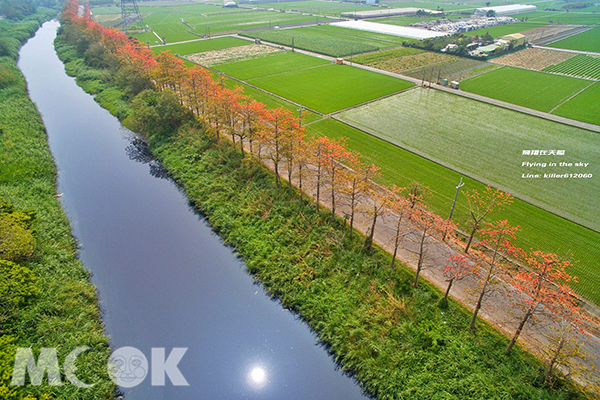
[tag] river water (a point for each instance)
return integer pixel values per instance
(165, 280)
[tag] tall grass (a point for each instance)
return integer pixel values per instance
(391, 337)
(65, 313)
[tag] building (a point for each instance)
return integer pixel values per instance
(506, 10)
(515, 40)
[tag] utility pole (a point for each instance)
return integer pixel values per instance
(300, 113)
(460, 184)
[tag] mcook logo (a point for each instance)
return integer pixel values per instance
(127, 367)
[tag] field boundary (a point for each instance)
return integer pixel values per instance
(483, 181)
(263, 90)
(575, 95)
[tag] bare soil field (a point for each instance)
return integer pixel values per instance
(232, 54)
(534, 58)
(454, 69)
(549, 33)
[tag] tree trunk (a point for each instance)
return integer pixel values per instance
(475, 224)
(553, 362)
(396, 242)
(333, 194)
(420, 263)
(352, 206)
(372, 232)
(519, 329)
(448, 289)
(290, 169)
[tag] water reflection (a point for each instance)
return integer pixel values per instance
(138, 151)
(257, 378)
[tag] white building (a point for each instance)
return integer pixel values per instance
(507, 10)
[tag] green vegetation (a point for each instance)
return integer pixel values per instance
(199, 46)
(331, 87)
(46, 299)
(526, 88)
(583, 107)
(330, 41)
(486, 142)
(391, 337)
(585, 41)
(540, 228)
(207, 20)
(424, 64)
(271, 101)
(270, 65)
(580, 65)
(507, 29)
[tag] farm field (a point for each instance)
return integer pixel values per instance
(331, 41)
(205, 19)
(507, 29)
(418, 64)
(270, 65)
(271, 101)
(198, 46)
(583, 107)
(331, 87)
(331, 8)
(532, 89)
(581, 65)
(533, 58)
(407, 20)
(585, 41)
(486, 142)
(539, 228)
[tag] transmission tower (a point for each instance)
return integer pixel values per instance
(130, 14)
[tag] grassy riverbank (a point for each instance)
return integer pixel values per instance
(60, 308)
(392, 337)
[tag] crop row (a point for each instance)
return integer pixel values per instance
(315, 41)
(580, 65)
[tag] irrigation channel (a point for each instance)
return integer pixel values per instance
(164, 278)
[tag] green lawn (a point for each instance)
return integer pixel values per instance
(199, 46)
(507, 29)
(270, 65)
(585, 41)
(539, 228)
(331, 87)
(533, 89)
(486, 142)
(584, 107)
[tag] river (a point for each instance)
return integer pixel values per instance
(165, 280)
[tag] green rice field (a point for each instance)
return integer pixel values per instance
(581, 65)
(199, 46)
(329, 40)
(270, 65)
(205, 19)
(331, 87)
(585, 41)
(533, 89)
(583, 107)
(486, 143)
(539, 228)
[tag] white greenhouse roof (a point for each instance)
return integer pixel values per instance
(508, 9)
(404, 31)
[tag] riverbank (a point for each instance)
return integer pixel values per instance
(62, 311)
(393, 338)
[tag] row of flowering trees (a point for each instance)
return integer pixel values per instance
(340, 178)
